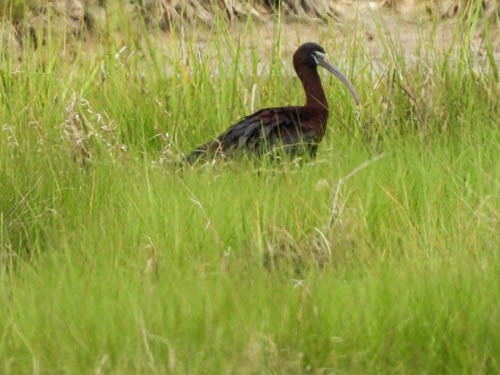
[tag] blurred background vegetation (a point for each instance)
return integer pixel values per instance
(81, 17)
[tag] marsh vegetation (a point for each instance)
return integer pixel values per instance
(379, 256)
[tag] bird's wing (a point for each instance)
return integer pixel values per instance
(260, 132)
(265, 129)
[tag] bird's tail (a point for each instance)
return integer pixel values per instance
(205, 151)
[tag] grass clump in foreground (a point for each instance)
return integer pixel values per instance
(379, 256)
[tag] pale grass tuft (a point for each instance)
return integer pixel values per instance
(103, 360)
(285, 251)
(11, 137)
(153, 257)
(170, 154)
(336, 211)
(87, 132)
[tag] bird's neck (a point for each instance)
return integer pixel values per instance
(316, 104)
(315, 95)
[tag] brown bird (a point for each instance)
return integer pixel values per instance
(294, 130)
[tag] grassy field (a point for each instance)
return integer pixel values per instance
(380, 256)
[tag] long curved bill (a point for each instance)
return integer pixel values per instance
(323, 61)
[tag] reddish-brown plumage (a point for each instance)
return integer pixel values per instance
(295, 130)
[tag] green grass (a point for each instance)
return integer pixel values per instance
(381, 256)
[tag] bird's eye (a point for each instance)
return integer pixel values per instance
(318, 57)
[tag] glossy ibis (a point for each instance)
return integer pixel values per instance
(295, 130)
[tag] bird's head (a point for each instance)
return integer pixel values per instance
(311, 55)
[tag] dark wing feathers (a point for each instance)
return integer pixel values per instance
(260, 132)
